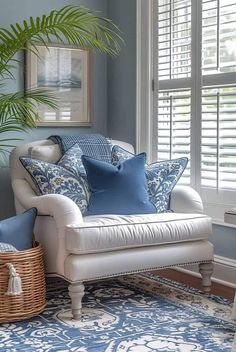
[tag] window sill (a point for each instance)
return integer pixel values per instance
(222, 223)
(216, 212)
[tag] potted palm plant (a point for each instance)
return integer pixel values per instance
(71, 24)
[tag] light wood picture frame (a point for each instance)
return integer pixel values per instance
(66, 71)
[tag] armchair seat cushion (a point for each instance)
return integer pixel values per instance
(103, 233)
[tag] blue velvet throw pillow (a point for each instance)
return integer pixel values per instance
(161, 177)
(18, 230)
(118, 189)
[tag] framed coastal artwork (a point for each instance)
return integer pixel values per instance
(65, 71)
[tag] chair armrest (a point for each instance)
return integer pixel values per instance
(60, 207)
(185, 199)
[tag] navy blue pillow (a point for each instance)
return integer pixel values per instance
(118, 189)
(18, 230)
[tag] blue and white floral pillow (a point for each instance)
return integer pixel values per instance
(72, 161)
(51, 178)
(161, 177)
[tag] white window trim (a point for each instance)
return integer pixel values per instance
(144, 94)
(144, 75)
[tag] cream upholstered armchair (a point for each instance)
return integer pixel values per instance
(80, 249)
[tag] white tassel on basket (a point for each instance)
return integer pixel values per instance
(14, 283)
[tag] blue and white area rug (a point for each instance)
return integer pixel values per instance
(139, 313)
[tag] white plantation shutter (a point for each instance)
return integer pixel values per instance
(173, 127)
(174, 63)
(218, 168)
(174, 39)
(218, 141)
(195, 93)
(218, 36)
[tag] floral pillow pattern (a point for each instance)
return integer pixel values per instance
(161, 177)
(72, 161)
(51, 178)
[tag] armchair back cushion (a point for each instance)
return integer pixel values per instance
(39, 150)
(48, 153)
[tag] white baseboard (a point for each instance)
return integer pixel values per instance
(224, 271)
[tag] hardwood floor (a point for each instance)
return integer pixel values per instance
(217, 289)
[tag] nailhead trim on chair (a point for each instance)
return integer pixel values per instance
(132, 272)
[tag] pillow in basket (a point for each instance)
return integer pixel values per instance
(54, 179)
(18, 230)
(6, 247)
(161, 177)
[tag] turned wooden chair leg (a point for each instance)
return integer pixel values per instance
(206, 270)
(233, 316)
(234, 344)
(76, 293)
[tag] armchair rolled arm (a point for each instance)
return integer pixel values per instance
(185, 199)
(63, 209)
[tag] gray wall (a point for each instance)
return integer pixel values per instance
(122, 74)
(17, 10)
(224, 240)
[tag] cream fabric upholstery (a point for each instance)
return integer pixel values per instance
(81, 249)
(115, 232)
(100, 265)
(48, 153)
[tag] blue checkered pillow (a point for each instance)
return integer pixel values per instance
(161, 177)
(6, 247)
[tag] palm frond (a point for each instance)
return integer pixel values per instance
(5, 70)
(23, 106)
(9, 125)
(70, 25)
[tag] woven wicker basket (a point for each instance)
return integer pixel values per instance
(30, 267)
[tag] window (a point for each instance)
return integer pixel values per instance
(195, 94)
